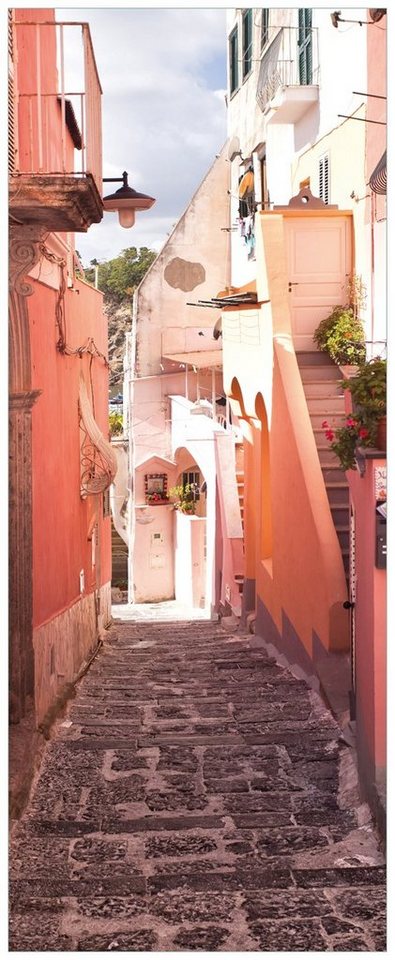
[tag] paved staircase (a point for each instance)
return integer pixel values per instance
(321, 380)
(119, 552)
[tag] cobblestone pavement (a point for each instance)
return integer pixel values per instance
(197, 796)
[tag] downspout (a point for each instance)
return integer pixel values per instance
(131, 373)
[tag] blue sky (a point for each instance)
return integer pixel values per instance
(163, 74)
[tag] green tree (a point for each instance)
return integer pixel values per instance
(118, 278)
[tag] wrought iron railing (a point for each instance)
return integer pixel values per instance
(64, 97)
(280, 64)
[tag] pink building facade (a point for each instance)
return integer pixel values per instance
(61, 464)
(177, 417)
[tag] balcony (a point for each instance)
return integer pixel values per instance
(55, 136)
(286, 88)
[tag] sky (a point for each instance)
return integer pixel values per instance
(163, 75)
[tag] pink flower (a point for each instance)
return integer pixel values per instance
(363, 433)
(329, 435)
(325, 423)
(351, 422)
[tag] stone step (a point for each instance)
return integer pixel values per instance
(314, 358)
(325, 405)
(340, 512)
(337, 493)
(322, 388)
(333, 473)
(320, 374)
(334, 417)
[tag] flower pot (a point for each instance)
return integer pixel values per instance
(381, 437)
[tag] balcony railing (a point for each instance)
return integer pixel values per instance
(281, 66)
(58, 93)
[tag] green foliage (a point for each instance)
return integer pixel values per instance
(115, 421)
(118, 278)
(342, 335)
(184, 498)
(368, 388)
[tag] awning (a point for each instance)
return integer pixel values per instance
(246, 184)
(201, 359)
(378, 179)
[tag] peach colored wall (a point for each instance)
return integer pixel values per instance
(370, 619)
(304, 578)
(61, 519)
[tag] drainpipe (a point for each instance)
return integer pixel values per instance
(372, 265)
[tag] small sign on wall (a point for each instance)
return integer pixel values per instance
(380, 483)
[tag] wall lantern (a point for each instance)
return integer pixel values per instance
(126, 201)
(375, 15)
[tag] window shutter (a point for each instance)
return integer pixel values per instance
(305, 47)
(233, 61)
(247, 42)
(324, 179)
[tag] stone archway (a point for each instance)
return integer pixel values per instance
(24, 254)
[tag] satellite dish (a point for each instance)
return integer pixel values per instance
(234, 148)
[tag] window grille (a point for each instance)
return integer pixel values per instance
(247, 42)
(192, 478)
(324, 179)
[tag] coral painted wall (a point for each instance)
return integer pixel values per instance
(39, 115)
(62, 521)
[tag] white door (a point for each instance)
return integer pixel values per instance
(319, 253)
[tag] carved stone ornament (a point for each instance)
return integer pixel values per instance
(24, 253)
(304, 200)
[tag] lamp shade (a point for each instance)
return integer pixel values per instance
(126, 202)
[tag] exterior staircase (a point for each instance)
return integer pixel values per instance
(321, 380)
(119, 553)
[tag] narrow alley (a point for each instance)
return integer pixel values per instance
(196, 795)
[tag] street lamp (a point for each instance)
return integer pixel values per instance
(126, 201)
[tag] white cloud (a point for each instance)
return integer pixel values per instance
(164, 116)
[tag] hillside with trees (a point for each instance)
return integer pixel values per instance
(118, 279)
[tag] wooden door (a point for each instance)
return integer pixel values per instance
(319, 253)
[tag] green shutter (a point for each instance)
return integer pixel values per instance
(247, 42)
(233, 61)
(305, 46)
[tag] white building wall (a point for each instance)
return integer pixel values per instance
(340, 71)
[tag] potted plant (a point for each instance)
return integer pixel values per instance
(157, 497)
(368, 388)
(344, 440)
(366, 425)
(115, 421)
(342, 334)
(184, 498)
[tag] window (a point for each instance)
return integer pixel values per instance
(233, 61)
(324, 179)
(247, 42)
(305, 47)
(192, 479)
(264, 27)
